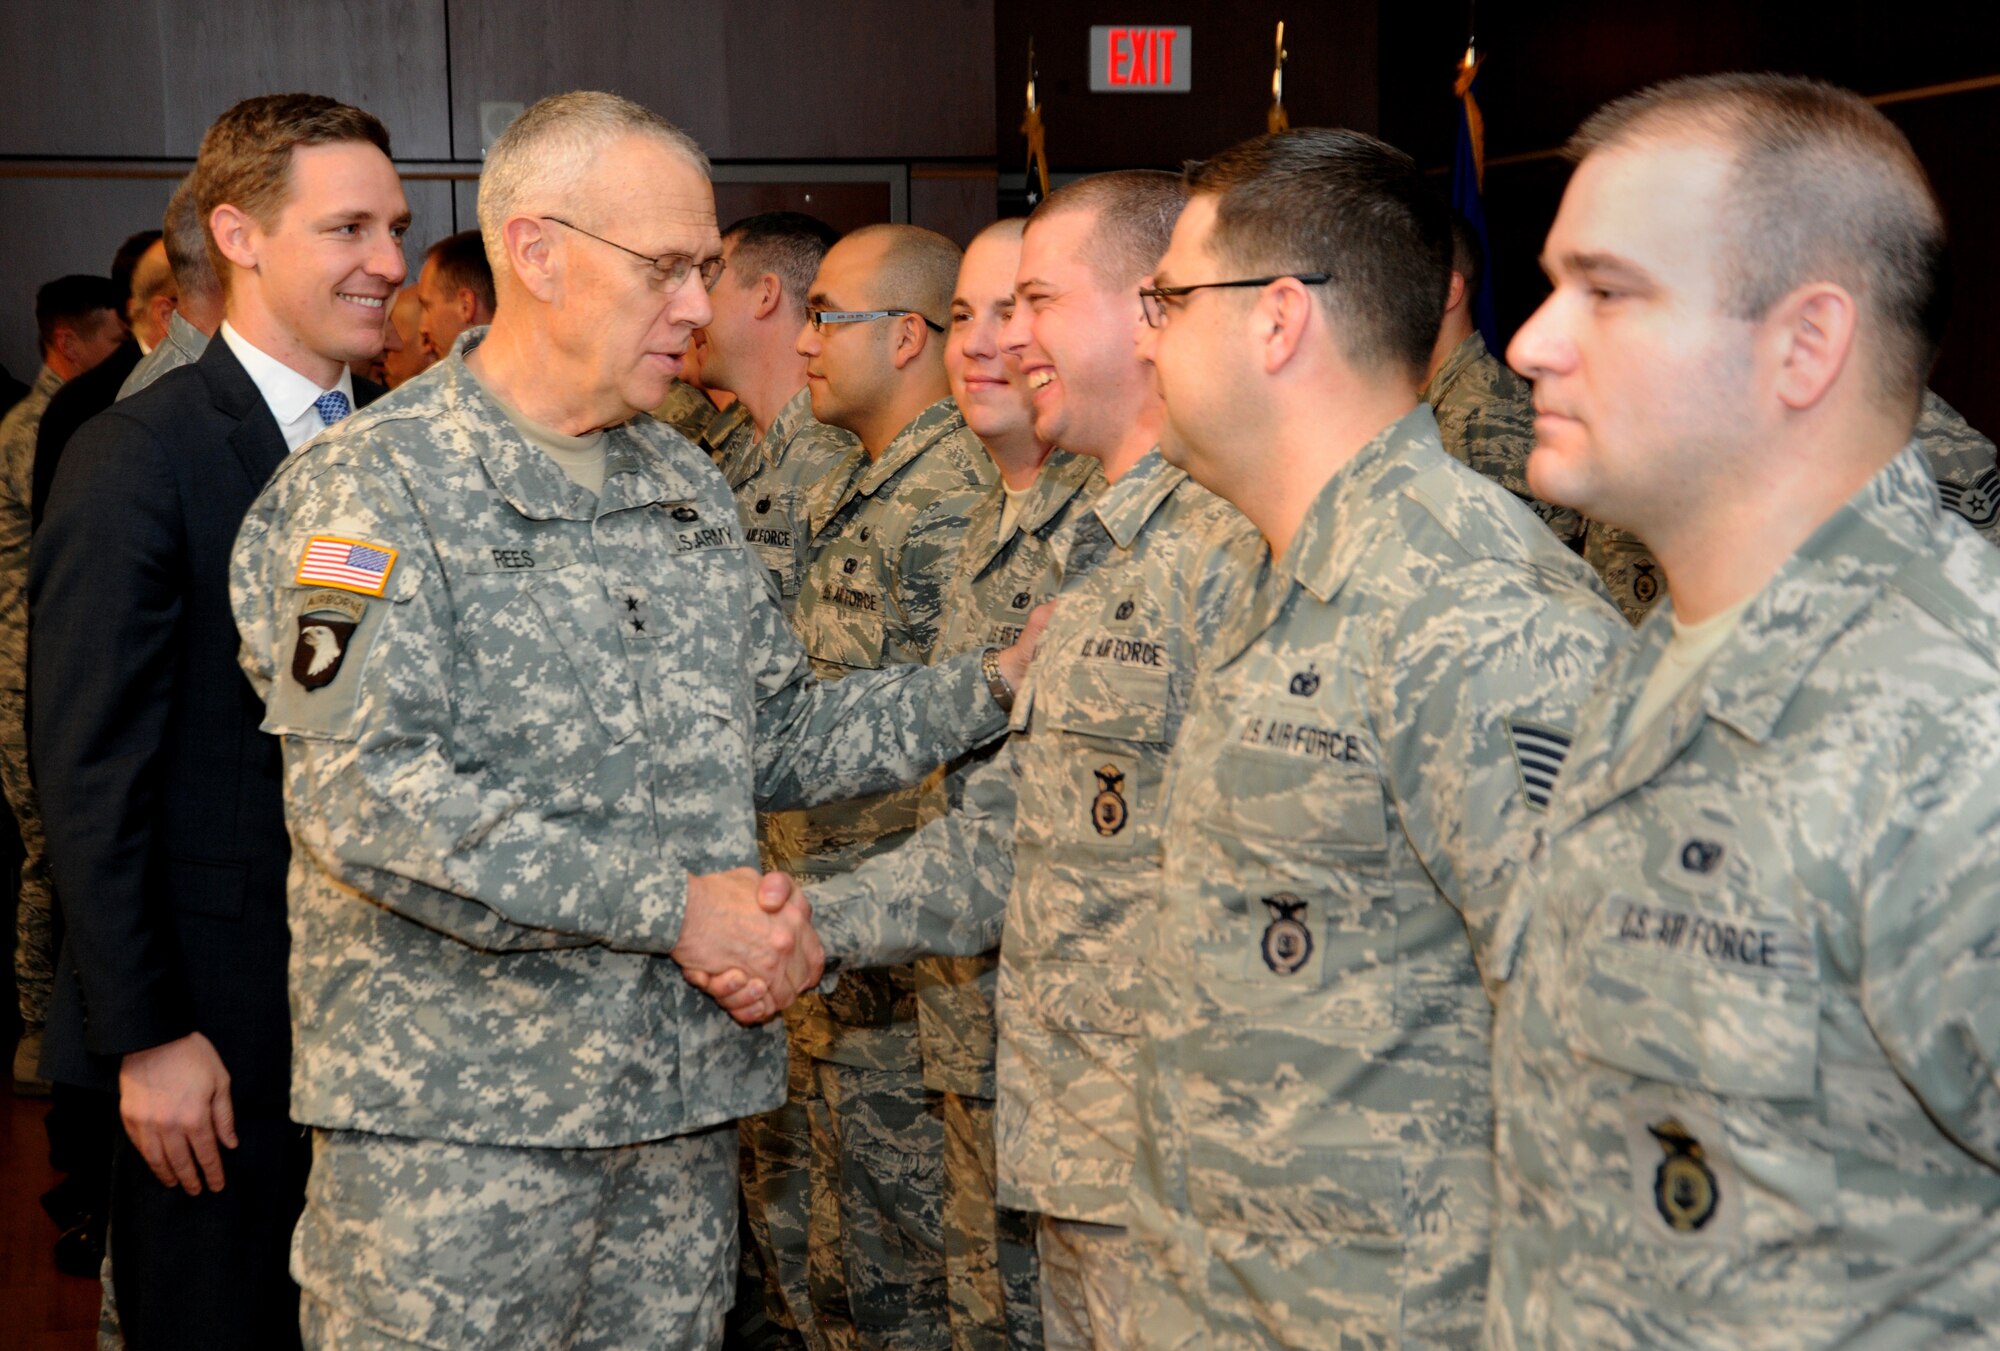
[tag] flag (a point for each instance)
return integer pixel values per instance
(1468, 180)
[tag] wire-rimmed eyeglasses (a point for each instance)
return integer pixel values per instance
(1152, 299)
(669, 270)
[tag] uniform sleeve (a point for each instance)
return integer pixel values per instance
(870, 732)
(374, 791)
(1930, 925)
(941, 893)
(1473, 694)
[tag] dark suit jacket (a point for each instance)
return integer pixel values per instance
(162, 801)
(76, 403)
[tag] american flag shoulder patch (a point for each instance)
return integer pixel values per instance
(348, 564)
(1539, 753)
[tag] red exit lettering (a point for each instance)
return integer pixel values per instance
(1142, 56)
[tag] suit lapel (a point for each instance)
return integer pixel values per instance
(256, 440)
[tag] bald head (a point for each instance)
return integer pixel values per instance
(153, 295)
(907, 268)
(1822, 188)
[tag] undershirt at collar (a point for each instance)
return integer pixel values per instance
(1680, 661)
(579, 457)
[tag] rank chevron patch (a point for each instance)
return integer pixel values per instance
(1539, 753)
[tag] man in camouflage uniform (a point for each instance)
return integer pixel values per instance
(771, 451)
(886, 541)
(198, 311)
(1961, 463)
(1357, 770)
(1007, 569)
(529, 692)
(1746, 1016)
(1485, 412)
(1065, 824)
(77, 320)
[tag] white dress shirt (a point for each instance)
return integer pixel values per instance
(287, 394)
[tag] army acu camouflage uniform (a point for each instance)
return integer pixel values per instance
(1486, 419)
(500, 772)
(1065, 825)
(885, 544)
(34, 952)
(1743, 1062)
(1347, 803)
(1961, 461)
(994, 1289)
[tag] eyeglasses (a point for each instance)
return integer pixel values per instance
(1153, 299)
(669, 270)
(819, 319)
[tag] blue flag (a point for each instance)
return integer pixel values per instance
(1468, 169)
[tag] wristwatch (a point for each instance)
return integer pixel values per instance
(996, 681)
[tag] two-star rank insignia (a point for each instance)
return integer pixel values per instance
(1684, 1186)
(1288, 943)
(1107, 809)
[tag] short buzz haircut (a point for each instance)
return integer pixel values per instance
(1135, 214)
(187, 245)
(1822, 187)
(73, 302)
(1341, 202)
(1468, 259)
(545, 152)
(1007, 227)
(919, 270)
(246, 155)
(462, 265)
(786, 244)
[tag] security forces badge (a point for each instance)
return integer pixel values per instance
(1684, 1187)
(1107, 810)
(1683, 1181)
(1288, 943)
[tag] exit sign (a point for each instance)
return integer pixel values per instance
(1140, 60)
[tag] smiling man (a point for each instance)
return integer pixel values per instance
(531, 688)
(166, 827)
(1747, 1029)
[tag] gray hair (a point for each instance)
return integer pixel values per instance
(539, 159)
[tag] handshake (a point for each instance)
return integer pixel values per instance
(748, 942)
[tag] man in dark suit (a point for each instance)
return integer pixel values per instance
(167, 833)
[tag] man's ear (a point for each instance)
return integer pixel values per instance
(237, 235)
(1808, 337)
(531, 255)
(766, 296)
(913, 339)
(1456, 296)
(467, 305)
(1283, 315)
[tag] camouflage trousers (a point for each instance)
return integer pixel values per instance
(878, 1155)
(34, 946)
(774, 1302)
(989, 1252)
(408, 1243)
(1086, 1284)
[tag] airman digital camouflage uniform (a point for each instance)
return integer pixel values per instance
(1486, 419)
(885, 545)
(1065, 824)
(1348, 800)
(687, 409)
(1744, 1060)
(1961, 461)
(34, 952)
(500, 772)
(772, 477)
(989, 1253)
(182, 346)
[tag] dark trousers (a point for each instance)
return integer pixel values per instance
(209, 1272)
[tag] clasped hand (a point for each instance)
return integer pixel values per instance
(748, 942)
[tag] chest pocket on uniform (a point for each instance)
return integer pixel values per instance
(536, 665)
(1114, 729)
(842, 621)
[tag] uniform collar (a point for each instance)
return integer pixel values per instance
(46, 383)
(1128, 504)
(924, 430)
(189, 340)
(1463, 357)
(1343, 521)
(533, 484)
(1781, 636)
(1061, 477)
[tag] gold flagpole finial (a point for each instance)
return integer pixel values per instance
(1278, 119)
(1031, 127)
